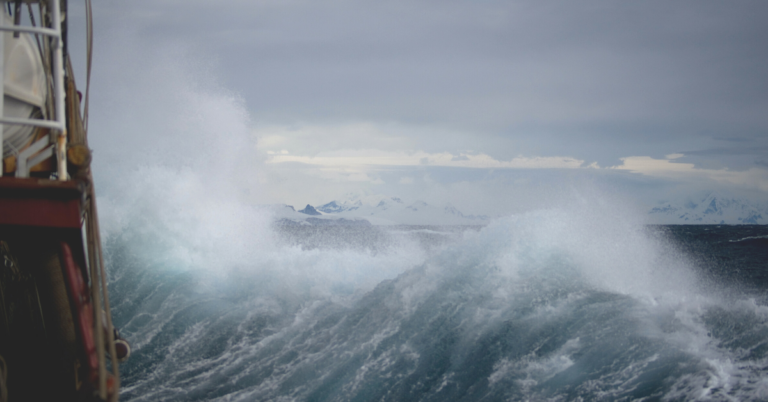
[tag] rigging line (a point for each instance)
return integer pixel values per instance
(99, 269)
(46, 55)
(17, 17)
(37, 37)
(99, 280)
(105, 297)
(96, 299)
(89, 53)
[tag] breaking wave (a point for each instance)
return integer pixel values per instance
(550, 305)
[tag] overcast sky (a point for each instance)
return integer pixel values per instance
(490, 105)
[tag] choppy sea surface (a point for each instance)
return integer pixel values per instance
(544, 306)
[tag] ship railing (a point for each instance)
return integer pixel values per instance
(27, 158)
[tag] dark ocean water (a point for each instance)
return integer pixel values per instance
(728, 254)
(546, 306)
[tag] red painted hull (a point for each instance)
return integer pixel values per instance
(44, 217)
(39, 203)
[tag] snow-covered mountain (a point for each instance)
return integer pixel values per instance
(381, 202)
(715, 208)
(310, 210)
(336, 207)
(383, 210)
(288, 215)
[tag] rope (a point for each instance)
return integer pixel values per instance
(105, 297)
(32, 20)
(99, 260)
(98, 271)
(46, 52)
(96, 296)
(89, 52)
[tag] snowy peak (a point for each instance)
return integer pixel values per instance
(389, 202)
(715, 208)
(385, 210)
(335, 207)
(449, 209)
(310, 210)
(332, 207)
(417, 206)
(715, 204)
(378, 202)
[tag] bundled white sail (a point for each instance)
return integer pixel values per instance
(25, 88)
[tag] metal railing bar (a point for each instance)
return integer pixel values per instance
(45, 154)
(22, 168)
(52, 124)
(26, 29)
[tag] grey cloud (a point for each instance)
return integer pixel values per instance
(595, 80)
(758, 150)
(735, 139)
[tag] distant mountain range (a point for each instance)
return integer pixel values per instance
(715, 208)
(378, 210)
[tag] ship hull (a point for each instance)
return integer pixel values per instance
(46, 325)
